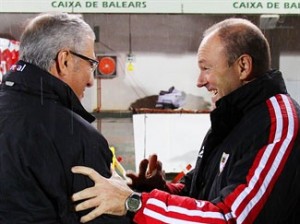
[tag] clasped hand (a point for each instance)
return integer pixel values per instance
(150, 176)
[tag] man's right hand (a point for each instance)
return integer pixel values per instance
(150, 176)
(107, 196)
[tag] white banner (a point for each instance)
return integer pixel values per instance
(154, 6)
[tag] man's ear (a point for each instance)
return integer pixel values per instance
(63, 60)
(245, 67)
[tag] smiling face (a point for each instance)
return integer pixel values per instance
(74, 70)
(215, 73)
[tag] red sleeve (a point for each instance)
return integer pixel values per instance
(161, 207)
(246, 200)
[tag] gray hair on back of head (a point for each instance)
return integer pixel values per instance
(48, 33)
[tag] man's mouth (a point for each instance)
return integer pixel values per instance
(214, 92)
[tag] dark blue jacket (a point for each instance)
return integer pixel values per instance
(44, 131)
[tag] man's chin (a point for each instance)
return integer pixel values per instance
(213, 106)
(81, 97)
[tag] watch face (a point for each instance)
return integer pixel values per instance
(133, 202)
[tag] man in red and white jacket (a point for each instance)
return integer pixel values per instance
(248, 167)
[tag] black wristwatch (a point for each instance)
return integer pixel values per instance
(134, 202)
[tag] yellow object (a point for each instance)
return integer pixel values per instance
(116, 165)
(130, 67)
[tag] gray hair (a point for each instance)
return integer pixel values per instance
(240, 36)
(48, 33)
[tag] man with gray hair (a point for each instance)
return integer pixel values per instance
(44, 129)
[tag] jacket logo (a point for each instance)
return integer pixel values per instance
(200, 204)
(200, 154)
(223, 161)
(18, 68)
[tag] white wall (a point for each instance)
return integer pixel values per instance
(290, 66)
(152, 73)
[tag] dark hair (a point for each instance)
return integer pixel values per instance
(240, 36)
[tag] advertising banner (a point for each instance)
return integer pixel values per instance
(154, 6)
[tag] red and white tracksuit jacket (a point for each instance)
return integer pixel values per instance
(248, 168)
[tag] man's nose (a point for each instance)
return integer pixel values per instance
(202, 81)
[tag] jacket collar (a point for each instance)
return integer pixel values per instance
(255, 92)
(231, 108)
(30, 78)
